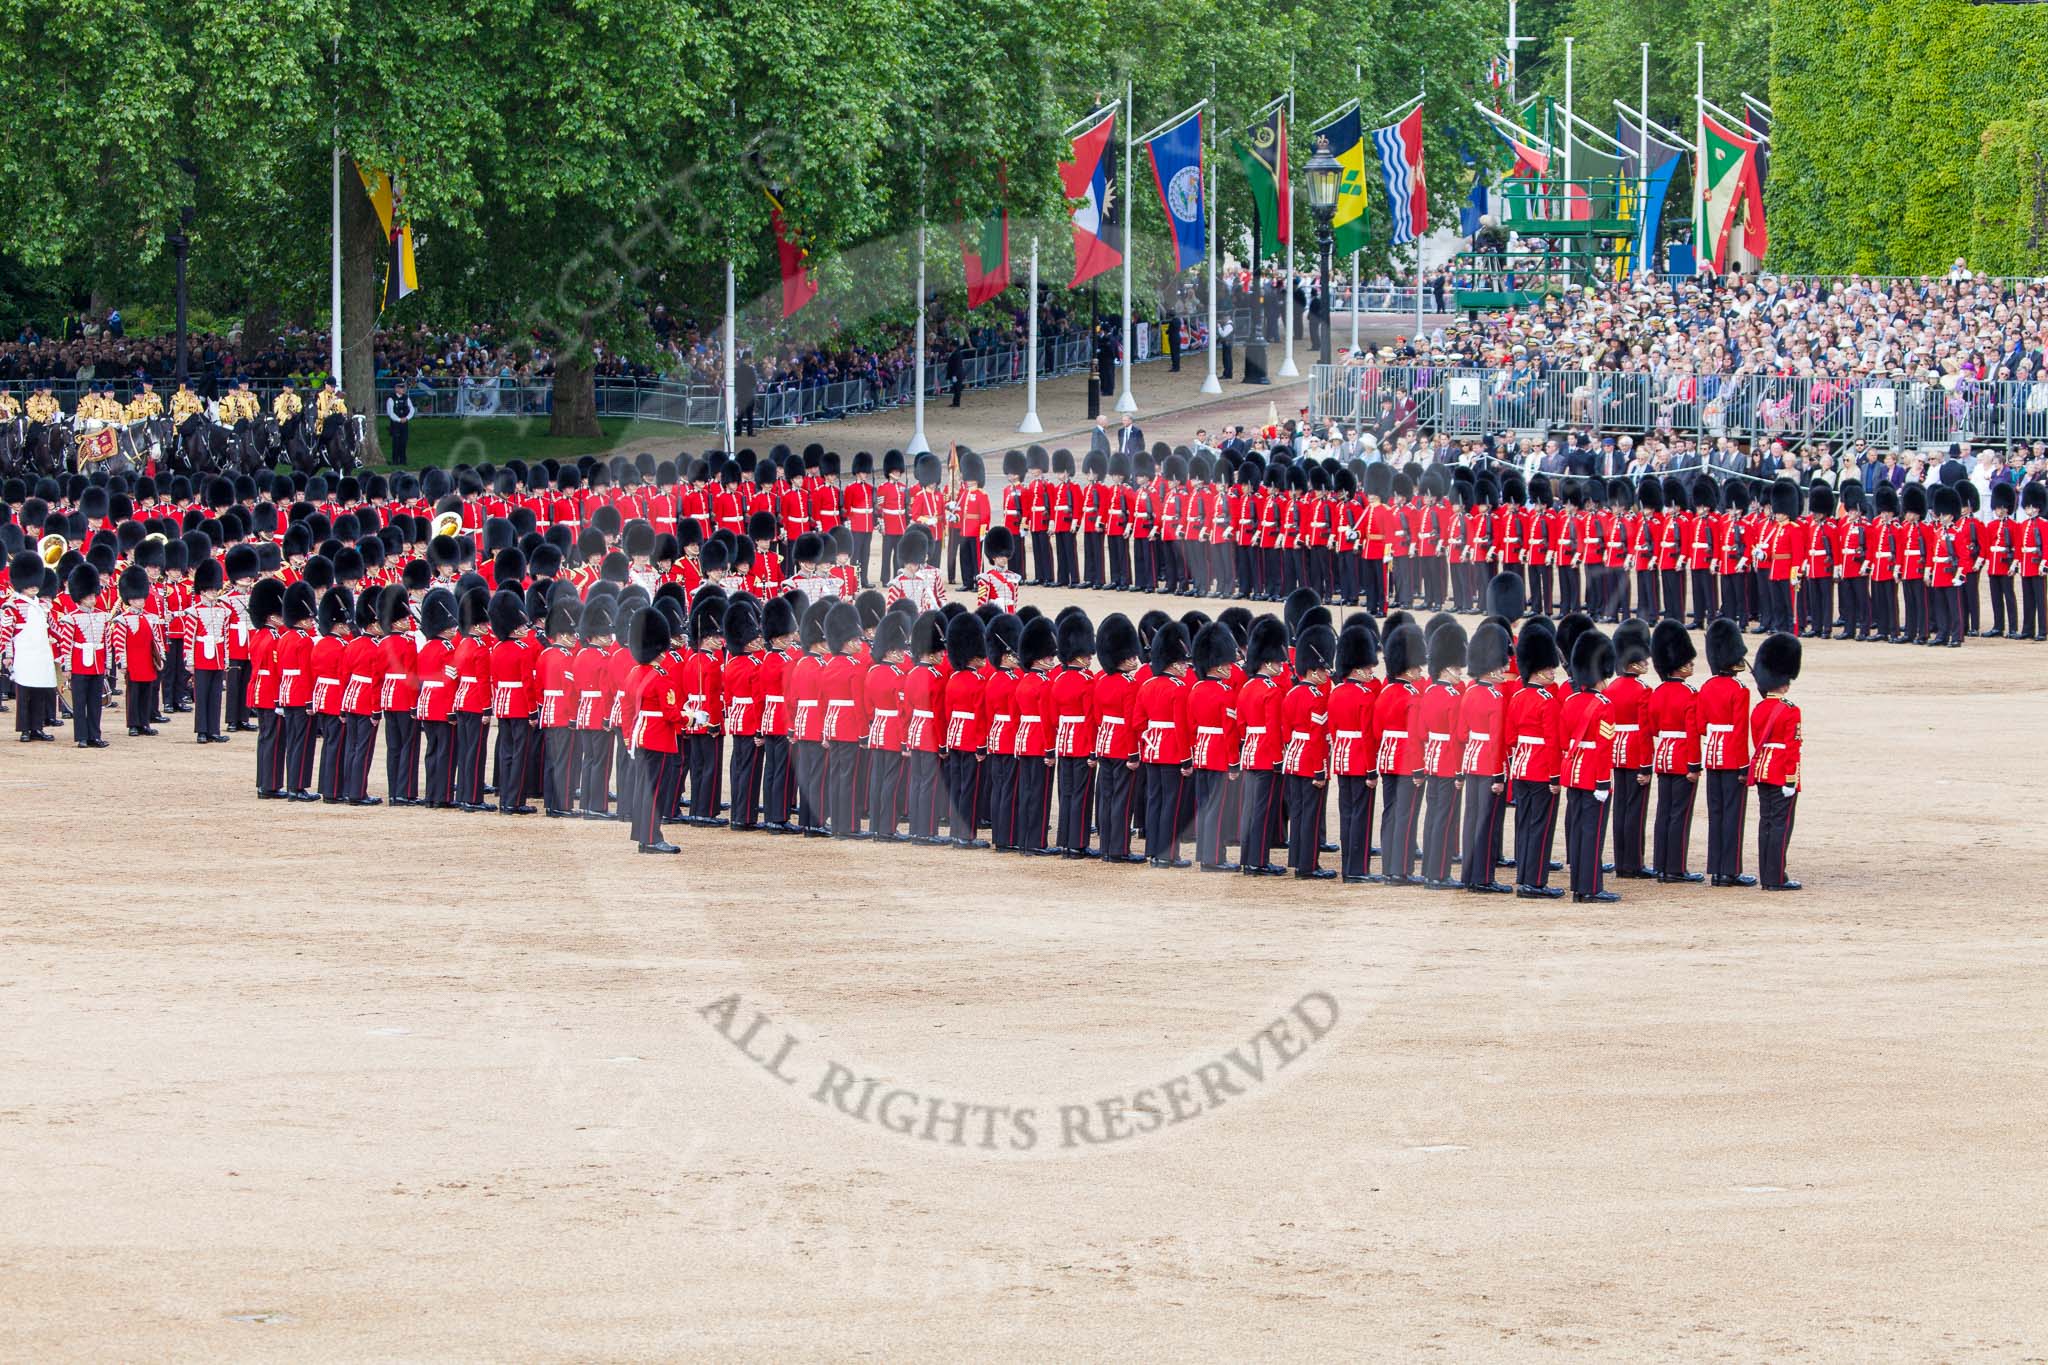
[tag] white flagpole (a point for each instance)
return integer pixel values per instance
(1210, 383)
(1031, 424)
(1124, 401)
(1288, 370)
(918, 445)
(1512, 41)
(1418, 251)
(1702, 251)
(1643, 262)
(732, 366)
(334, 294)
(1567, 120)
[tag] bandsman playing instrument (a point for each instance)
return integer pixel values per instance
(43, 407)
(185, 403)
(146, 404)
(10, 407)
(285, 406)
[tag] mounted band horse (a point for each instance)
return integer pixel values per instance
(204, 446)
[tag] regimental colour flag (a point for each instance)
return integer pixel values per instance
(1085, 179)
(1263, 150)
(1400, 150)
(1347, 144)
(1731, 197)
(798, 288)
(986, 256)
(1176, 155)
(401, 276)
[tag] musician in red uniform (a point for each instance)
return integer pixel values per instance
(1724, 753)
(1212, 716)
(1774, 732)
(1074, 720)
(136, 648)
(1586, 727)
(1533, 729)
(1304, 715)
(209, 624)
(1482, 725)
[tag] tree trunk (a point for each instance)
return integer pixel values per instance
(259, 328)
(575, 401)
(363, 249)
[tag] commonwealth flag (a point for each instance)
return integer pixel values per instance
(1347, 144)
(1263, 150)
(401, 276)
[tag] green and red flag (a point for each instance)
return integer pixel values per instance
(798, 288)
(1731, 195)
(986, 256)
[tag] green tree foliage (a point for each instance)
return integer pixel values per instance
(566, 161)
(1882, 111)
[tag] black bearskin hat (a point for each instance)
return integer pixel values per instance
(1116, 642)
(1170, 646)
(1671, 648)
(1725, 648)
(1777, 662)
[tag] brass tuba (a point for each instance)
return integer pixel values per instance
(52, 547)
(448, 524)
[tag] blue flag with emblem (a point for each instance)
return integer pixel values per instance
(1176, 155)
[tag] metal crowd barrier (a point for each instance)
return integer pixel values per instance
(1477, 401)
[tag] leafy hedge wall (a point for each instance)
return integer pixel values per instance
(1882, 112)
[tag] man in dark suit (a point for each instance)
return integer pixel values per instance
(956, 373)
(1130, 438)
(744, 384)
(1098, 437)
(1953, 470)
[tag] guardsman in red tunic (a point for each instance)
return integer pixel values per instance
(1263, 807)
(1398, 752)
(471, 703)
(1629, 697)
(136, 649)
(439, 620)
(2032, 553)
(1970, 558)
(1586, 726)
(1944, 568)
(1073, 718)
(1118, 507)
(1883, 549)
(362, 688)
(1820, 568)
(841, 687)
(1435, 717)
(1851, 535)
(1353, 694)
(651, 708)
(1482, 726)
(1702, 530)
(1160, 718)
(1997, 539)
(1032, 739)
(1672, 718)
(857, 499)
(266, 617)
(1095, 502)
(1534, 731)
(398, 695)
(1775, 737)
(1724, 753)
(337, 627)
(924, 739)
(1115, 744)
(1909, 542)
(1305, 725)
(1212, 715)
(965, 736)
(554, 679)
(512, 699)
(892, 511)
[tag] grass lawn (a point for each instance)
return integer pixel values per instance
(474, 440)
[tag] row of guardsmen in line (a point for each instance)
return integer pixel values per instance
(1049, 736)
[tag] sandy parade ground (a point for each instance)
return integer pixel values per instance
(292, 1082)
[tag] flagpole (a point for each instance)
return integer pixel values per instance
(1031, 424)
(1210, 384)
(334, 292)
(1287, 366)
(1418, 236)
(1512, 40)
(1643, 261)
(1124, 401)
(732, 369)
(1567, 122)
(918, 445)
(1699, 154)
